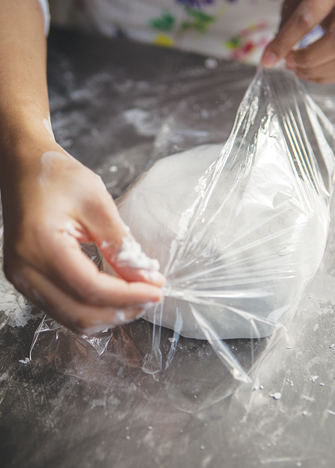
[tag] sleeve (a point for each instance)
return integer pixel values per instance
(46, 15)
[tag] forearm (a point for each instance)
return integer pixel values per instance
(23, 83)
(51, 202)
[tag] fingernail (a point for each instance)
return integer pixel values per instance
(269, 59)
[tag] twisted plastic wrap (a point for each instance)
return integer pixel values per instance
(239, 233)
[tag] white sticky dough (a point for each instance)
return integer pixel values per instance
(70, 229)
(235, 295)
(151, 276)
(132, 256)
(121, 315)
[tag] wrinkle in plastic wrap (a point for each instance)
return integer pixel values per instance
(241, 245)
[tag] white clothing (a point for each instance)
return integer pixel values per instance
(46, 15)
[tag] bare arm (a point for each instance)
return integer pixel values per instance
(23, 85)
(51, 202)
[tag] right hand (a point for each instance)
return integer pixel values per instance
(51, 204)
(315, 62)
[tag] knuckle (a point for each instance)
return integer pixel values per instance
(11, 269)
(106, 200)
(304, 19)
(8, 271)
(322, 80)
(29, 245)
(304, 57)
(97, 204)
(88, 324)
(280, 45)
(88, 294)
(304, 72)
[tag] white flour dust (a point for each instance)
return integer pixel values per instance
(15, 307)
(47, 126)
(49, 161)
(142, 120)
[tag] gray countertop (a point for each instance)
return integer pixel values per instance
(117, 106)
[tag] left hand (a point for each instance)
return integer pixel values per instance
(52, 204)
(315, 62)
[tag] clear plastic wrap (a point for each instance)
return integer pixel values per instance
(239, 233)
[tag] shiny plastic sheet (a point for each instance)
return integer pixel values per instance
(245, 241)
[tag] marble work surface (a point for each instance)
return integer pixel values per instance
(117, 106)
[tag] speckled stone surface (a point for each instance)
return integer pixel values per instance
(113, 104)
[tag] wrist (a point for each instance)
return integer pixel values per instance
(22, 128)
(21, 149)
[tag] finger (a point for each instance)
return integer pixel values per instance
(131, 263)
(66, 265)
(101, 219)
(306, 16)
(288, 7)
(319, 53)
(322, 74)
(108, 231)
(68, 312)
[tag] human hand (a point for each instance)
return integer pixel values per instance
(51, 204)
(315, 62)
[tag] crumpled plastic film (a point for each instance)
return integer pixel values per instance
(243, 238)
(241, 244)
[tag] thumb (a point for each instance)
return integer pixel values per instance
(106, 228)
(297, 23)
